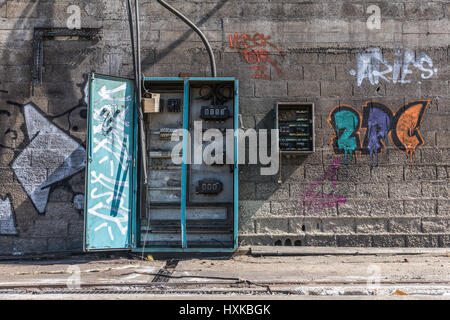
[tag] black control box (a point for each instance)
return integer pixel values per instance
(295, 122)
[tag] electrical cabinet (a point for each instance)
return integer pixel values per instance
(186, 206)
(295, 122)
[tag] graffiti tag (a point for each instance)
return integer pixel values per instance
(317, 201)
(371, 62)
(254, 51)
(379, 122)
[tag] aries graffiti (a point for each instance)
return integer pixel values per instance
(379, 122)
(371, 65)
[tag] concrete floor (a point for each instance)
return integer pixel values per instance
(376, 276)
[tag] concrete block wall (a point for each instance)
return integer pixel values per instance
(313, 52)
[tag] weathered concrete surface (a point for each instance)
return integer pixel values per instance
(365, 276)
(397, 204)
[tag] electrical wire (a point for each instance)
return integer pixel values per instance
(137, 82)
(197, 30)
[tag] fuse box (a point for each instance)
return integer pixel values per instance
(295, 122)
(186, 206)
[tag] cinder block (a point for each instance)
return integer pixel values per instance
(372, 190)
(442, 172)
(272, 191)
(389, 173)
(300, 57)
(371, 225)
(247, 190)
(371, 208)
(22, 245)
(288, 72)
(435, 225)
(436, 189)
(431, 155)
(6, 176)
(303, 88)
(405, 190)
(334, 56)
(443, 138)
(420, 207)
(420, 241)
(354, 240)
(338, 225)
(389, 240)
(321, 240)
(343, 189)
(76, 227)
(405, 225)
(6, 245)
(271, 89)
(336, 88)
(292, 174)
(314, 72)
(391, 10)
(272, 226)
(424, 10)
(421, 172)
(57, 244)
(367, 90)
(61, 194)
(287, 208)
(258, 239)
(46, 228)
(353, 173)
(75, 243)
(302, 225)
(444, 240)
(443, 207)
(21, 9)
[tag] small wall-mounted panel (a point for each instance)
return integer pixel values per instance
(295, 122)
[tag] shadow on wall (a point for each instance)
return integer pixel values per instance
(153, 58)
(41, 141)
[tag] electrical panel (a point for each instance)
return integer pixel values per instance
(186, 205)
(295, 122)
(191, 205)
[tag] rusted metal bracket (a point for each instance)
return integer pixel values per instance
(41, 34)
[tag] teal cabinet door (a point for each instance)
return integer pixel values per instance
(110, 165)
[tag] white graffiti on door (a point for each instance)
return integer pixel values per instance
(110, 145)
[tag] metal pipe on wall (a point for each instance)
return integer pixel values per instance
(197, 30)
(137, 82)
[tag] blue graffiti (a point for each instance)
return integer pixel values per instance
(346, 122)
(377, 119)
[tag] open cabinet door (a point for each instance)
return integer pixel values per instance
(110, 170)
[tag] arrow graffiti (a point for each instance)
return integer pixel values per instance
(50, 157)
(7, 225)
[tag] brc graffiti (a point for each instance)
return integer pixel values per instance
(378, 122)
(253, 50)
(317, 201)
(370, 62)
(345, 120)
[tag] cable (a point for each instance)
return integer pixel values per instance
(137, 89)
(197, 30)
